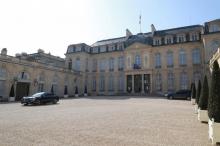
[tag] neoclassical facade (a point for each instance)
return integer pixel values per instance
(145, 63)
(153, 62)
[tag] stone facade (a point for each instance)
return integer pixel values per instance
(145, 63)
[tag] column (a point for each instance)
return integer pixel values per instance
(132, 83)
(142, 83)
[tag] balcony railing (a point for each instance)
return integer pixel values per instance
(137, 66)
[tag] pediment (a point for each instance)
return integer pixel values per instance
(136, 46)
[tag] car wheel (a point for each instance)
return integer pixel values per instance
(54, 101)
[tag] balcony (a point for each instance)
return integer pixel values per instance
(137, 66)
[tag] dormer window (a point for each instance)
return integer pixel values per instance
(214, 28)
(157, 42)
(169, 40)
(194, 37)
(181, 38)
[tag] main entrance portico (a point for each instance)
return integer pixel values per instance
(138, 83)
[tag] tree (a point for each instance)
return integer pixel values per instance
(85, 91)
(203, 100)
(76, 90)
(193, 91)
(65, 90)
(214, 98)
(198, 92)
(12, 92)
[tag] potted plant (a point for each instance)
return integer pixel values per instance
(65, 92)
(214, 105)
(193, 93)
(197, 96)
(12, 94)
(76, 92)
(203, 102)
(85, 91)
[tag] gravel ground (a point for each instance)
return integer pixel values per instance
(103, 122)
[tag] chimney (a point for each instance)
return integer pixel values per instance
(128, 33)
(153, 29)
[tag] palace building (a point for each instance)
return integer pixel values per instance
(141, 64)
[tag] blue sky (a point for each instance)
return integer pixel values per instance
(27, 25)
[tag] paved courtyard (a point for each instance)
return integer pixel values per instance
(103, 122)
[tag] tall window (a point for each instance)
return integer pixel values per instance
(181, 38)
(94, 65)
(121, 63)
(194, 37)
(111, 64)
(102, 65)
(111, 83)
(77, 64)
(158, 82)
(94, 84)
(87, 64)
(120, 83)
(2, 87)
(170, 81)
(70, 64)
(157, 60)
(41, 82)
(2, 73)
(214, 28)
(196, 56)
(138, 60)
(102, 83)
(183, 81)
(168, 40)
(182, 57)
(170, 59)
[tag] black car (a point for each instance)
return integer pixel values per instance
(39, 98)
(181, 94)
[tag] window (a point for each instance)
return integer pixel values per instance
(120, 83)
(77, 64)
(183, 81)
(102, 49)
(111, 64)
(95, 50)
(2, 73)
(102, 83)
(111, 83)
(182, 57)
(78, 49)
(214, 28)
(170, 81)
(94, 84)
(194, 37)
(158, 82)
(54, 89)
(102, 65)
(40, 87)
(70, 64)
(94, 65)
(138, 60)
(121, 63)
(2, 88)
(196, 56)
(169, 40)
(169, 59)
(87, 64)
(157, 60)
(181, 38)
(157, 42)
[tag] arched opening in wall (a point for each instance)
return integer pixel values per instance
(22, 85)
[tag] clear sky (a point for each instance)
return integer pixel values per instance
(27, 25)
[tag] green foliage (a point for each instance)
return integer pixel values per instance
(12, 93)
(214, 98)
(193, 91)
(76, 90)
(203, 100)
(198, 92)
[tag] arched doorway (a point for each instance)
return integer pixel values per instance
(22, 85)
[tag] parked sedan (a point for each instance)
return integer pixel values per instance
(39, 98)
(181, 94)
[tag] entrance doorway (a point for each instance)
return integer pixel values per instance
(22, 89)
(137, 83)
(147, 83)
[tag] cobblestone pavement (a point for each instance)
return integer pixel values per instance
(103, 122)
